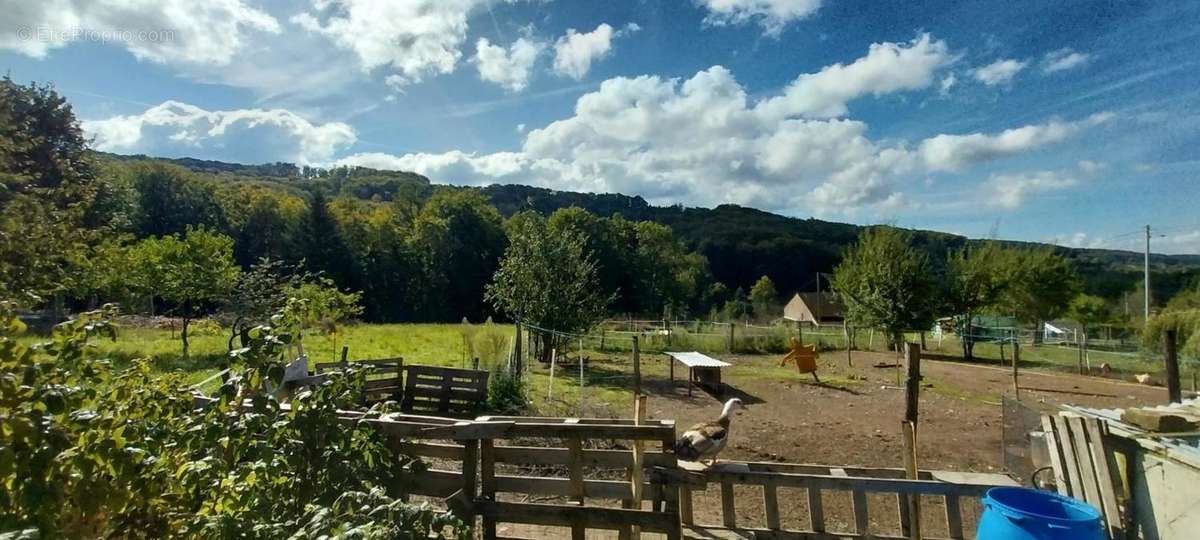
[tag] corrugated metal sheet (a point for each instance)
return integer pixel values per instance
(695, 359)
(1185, 447)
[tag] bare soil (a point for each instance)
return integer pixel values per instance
(853, 419)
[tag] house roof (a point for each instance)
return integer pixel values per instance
(824, 304)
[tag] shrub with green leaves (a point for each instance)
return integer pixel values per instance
(92, 452)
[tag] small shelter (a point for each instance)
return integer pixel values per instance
(815, 308)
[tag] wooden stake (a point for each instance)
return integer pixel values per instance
(913, 387)
(1171, 356)
(636, 473)
(550, 385)
(637, 368)
(730, 345)
(909, 431)
(1016, 360)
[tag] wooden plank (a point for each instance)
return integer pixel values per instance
(487, 483)
(593, 517)
(637, 467)
(1056, 460)
(575, 470)
(711, 533)
(609, 459)
(862, 524)
(1104, 479)
(816, 512)
(545, 485)
(728, 512)
(1070, 462)
(913, 503)
(470, 464)
(1087, 472)
(953, 517)
(771, 505)
(431, 450)
(563, 431)
(685, 506)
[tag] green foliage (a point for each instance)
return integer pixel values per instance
(319, 302)
(762, 294)
(546, 279)
(1187, 299)
(1185, 323)
(1089, 310)
(170, 200)
(1041, 284)
(886, 283)
(92, 452)
(187, 271)
(458, 238)
(506, 392)
(976, 281)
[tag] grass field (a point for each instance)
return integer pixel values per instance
(608, 378)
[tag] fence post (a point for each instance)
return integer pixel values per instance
(637, 368)
(730, 344)
(909, 432)
(1016, 360)
(1171, 356)
(345, 353)
(514, 365)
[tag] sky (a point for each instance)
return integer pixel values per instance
(1073, 122)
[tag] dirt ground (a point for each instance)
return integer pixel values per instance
(854, 420)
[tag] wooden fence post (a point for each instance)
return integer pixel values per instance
(911, 401)
(730, 345)
(1171, 356)
(636, 476)
(345, 353)
(1016, 360)
(514, 365)
(637, 368)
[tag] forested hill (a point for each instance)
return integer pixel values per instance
(741, 244)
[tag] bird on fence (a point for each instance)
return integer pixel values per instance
(706, 439)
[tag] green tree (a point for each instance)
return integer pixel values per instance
(975, 282)
(190, 272)
(1088, 311)
(886, 283)
(459, 238)
(1041, 284)
(92, 452)
(171, 199)
(546, 279)
(762, 295)
(47, 181)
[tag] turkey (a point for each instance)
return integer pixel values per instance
(706, 439)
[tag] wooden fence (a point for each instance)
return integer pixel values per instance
(492, 467)
(420, 388)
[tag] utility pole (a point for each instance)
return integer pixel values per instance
(819, 299)
(1146, 279)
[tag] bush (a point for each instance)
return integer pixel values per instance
(506, 392)
(93, 452)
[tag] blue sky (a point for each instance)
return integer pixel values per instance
(1071, 122)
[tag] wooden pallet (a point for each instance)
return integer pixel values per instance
(444, 390)
(1085, 467)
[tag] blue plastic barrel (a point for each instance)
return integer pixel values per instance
(1013, 513)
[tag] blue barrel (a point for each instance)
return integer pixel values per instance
(1013, 513)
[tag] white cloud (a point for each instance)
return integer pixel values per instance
(1078, 240)
(574, 52)
(1089, 166)
(510, 68)
(772, 15)
(998, 72)
(948, 82)
(1010, 191)
(697, 140)
(163, 31)
(954, 152)
(887, 67)
(1063, 59)
(703, 141)
(245, 135)
(415, 38)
